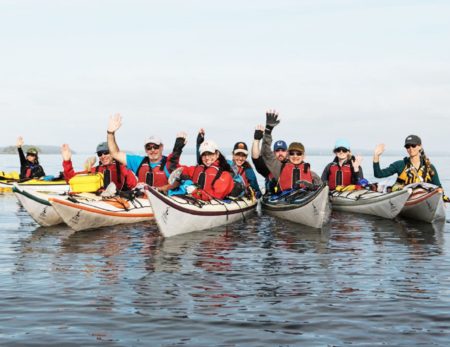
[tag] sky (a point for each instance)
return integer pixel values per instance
(369, 71)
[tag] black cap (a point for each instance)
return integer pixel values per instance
(413, 140)
(240, 147)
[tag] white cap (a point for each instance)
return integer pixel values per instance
(154, 139)
(208, 146)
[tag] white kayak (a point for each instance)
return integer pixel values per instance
(183, 214)
(425, 203)
(81, 213)
(386, 205)
(311, 208)
(59, 186)
(37, 205)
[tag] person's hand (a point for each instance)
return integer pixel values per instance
(271, 120)
(200, 136)
(115, 122)
(66, 153)
(379, 149)
(259, 132)
(357, 162)
(89, 163)
(19, 142)
(180, 141)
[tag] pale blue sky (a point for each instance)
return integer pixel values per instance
(371, 71)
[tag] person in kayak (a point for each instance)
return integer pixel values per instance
(242, 167)
(154, 168)
(280, 152)
(295, 172)
(212, 177)
(243, 174)
(345, 169)
(112, 171)
(29, 164)
(414, 168)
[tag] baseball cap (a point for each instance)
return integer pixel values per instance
(154, 139)
(208, 146)
(413, 140)
(240, 147)
(280, 144)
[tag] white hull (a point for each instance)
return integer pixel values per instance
(83, 214)
(386, 205)
(313, 212)
(425, 205)
(37, 205)
(175, 215)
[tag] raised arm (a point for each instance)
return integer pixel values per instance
(259, 133)
(115, 122)
(271, 162)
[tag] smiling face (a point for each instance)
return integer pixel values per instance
(296, 157)
(31, 157)
(104, 157)
(154, 152)
(209, 158)
(413, 150)
(341, 153)
(239, 158)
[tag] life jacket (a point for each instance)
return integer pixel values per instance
(33, 170)
(411, 175)
(340, 175)
(205, 176)
(241, 171)
(111, 173)
(291, 173)
(155, 177)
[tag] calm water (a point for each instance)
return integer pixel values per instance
(262, 282)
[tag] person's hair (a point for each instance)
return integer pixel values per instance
(426, 160)
(223, 166)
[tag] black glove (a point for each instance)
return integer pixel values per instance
(200, 139)
(258, 134)
(179, 144)
(271, 121)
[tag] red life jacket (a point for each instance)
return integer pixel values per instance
(241, 172)
(155, 177)
(291, 173)
(204, 176)
(339, 176)
(111, 173)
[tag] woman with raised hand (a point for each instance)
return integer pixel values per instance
(414, 168)
(345, 169)
(29, 164)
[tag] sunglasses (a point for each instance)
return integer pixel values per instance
(341, 149)
(100, 153)
(31, 154)
(297, 153)
(280, 150)
(150, 147)
(409, 146)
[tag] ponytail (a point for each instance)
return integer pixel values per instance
(426, 161)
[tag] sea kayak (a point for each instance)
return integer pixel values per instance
(182, 214)
(82, 213)
(386, 205)
(37, 184)
(307, 207)
(425, 203)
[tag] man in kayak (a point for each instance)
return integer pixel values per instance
(414, 168)
(294, 173)
(29, 164)
(280, 152)
(112, 171)
(345, 169)
(154, 168)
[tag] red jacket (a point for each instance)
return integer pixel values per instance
(127, 177)
(223, 181)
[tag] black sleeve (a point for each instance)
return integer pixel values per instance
(326, 173)
(23, 160)
(261, 167)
